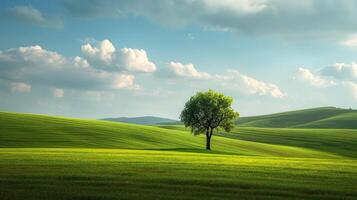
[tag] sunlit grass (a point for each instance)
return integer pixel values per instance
(45, 157)
(106, 174)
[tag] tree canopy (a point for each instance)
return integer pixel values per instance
(207, 111)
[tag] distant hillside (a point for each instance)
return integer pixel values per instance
(19, 130)
(146, 120)
(324, 117)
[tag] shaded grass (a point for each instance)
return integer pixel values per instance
(325, 117)
(342, 142)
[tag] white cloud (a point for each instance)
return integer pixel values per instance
(80, 62)
(33, 54)
(20, 87)
(250, 85)
(39, 66)
(125, 81)
(187, 70)
(329, 75)
(233, 80)
(136, 60)
(262, 88)
(127, 59)
(103, 51)
(305, 75)
(58, 92)
(340, 76)
(31, 15)
(351, 41)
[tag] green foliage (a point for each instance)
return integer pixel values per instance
(208, 110)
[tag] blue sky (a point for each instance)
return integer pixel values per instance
(97, 59)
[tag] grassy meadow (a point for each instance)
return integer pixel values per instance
(43, 157)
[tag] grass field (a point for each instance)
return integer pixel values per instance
(45, 157)
(324, 117)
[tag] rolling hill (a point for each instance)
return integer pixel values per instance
(324, 117)
(40, 131)
(44, 157)
(145, 120)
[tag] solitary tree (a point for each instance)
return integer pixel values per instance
(207, 111)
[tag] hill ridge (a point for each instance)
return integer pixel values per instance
(322, 117)
(39, 131)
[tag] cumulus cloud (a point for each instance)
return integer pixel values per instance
(80, 62)
(103, 55)
(329, 75)
(262, 17)
(20, 87)
(28, 14)
(187, 70)
(233, 80)
(125, 81)
(252, 86)
(136, 60)
(262, 88)
(32, 54)
(103, 51)
(38, 66)
(339, 75)
(305, 75)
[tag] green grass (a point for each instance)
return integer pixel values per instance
(341, 142)
(44, 157)
(142, 174)
(26, 130)
(325, 117)
(344, 120)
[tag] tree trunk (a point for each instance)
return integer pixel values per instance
(208, 140)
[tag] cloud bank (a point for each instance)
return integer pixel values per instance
(232, 80)
(314, 18)
(26, 67)
(337, 75)
(30, 15)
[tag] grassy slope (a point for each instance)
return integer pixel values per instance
(145, 120)
(45, 157)
(309, 118)
(26, 130)
(342, 142)
(344, 120)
